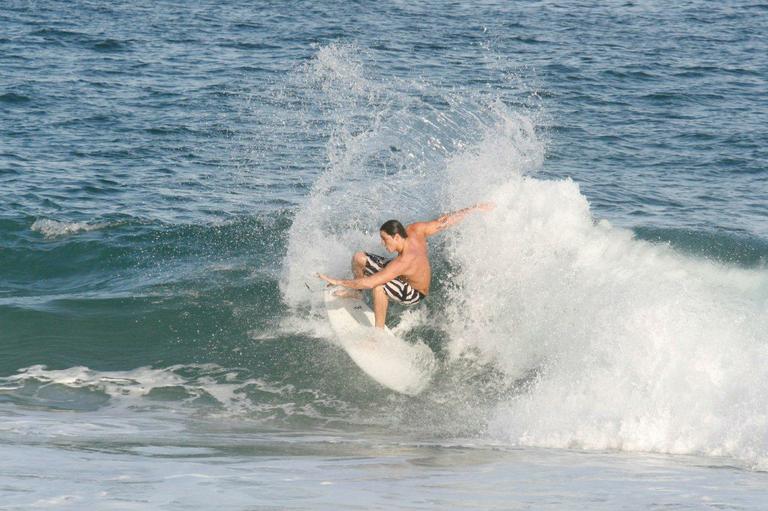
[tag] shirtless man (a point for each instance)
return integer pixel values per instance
(406, 278)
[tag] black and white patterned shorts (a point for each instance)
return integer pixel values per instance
(397, 289)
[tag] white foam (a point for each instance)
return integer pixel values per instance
(639, 347)
(129, 388)
(53, 228)
(199, 390)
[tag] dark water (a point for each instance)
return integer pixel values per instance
(172, 174)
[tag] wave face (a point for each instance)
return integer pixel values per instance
(602, 339)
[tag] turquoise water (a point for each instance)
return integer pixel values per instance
(172, 175)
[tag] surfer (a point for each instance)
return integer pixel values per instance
(406, 278)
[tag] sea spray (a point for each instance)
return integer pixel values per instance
(387, 148)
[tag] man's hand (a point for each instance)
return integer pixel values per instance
(330, 280)
(485, 206)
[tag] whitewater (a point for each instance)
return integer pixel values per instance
(634, 346)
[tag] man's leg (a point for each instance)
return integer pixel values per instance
(358, 265)
(380, 303)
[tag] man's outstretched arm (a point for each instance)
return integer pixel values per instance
(449, 219)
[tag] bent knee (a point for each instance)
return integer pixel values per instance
(360, 258)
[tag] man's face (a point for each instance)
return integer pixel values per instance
(389, 242)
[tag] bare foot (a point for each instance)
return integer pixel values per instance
(348, 293)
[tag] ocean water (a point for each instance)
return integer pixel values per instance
(172, 175)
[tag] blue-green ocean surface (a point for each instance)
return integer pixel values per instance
(173, 175)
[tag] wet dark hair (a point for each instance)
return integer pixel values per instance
(393, 227)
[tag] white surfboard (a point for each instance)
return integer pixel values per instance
(389, 360)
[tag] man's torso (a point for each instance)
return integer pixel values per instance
(415, 258)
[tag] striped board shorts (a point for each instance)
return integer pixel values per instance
(397, 289)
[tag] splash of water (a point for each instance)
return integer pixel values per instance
(634, 346)
(387, 150)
